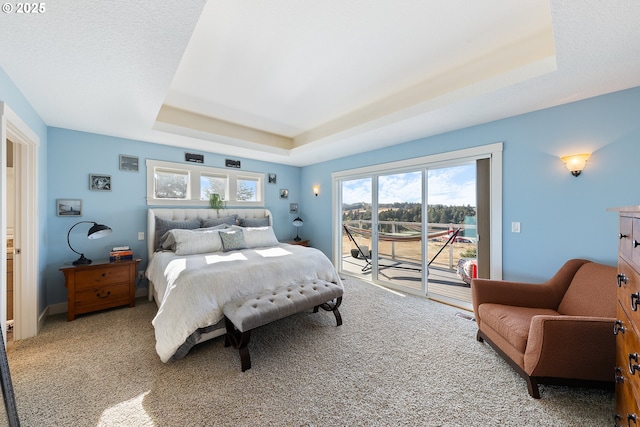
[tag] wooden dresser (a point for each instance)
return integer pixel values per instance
(627, 326)
(100, 285)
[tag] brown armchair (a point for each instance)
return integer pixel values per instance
(556, 332)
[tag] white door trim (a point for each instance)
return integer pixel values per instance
(26, 143)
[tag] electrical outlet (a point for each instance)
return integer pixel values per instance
(141, 274)
(515, 227)
(140, 235)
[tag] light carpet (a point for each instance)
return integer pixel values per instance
(396, 361)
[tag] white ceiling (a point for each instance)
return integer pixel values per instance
(302, 81)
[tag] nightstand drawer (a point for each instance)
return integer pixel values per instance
(101, 297)
(101, 277)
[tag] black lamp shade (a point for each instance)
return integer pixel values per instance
(98, 230)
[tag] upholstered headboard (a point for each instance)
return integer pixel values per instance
(182, 214)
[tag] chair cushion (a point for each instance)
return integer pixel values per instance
(592, 292)
(511, 322)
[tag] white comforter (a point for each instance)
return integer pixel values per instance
(194, 288)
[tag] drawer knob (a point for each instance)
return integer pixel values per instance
(622, 236)
(635, 243)
(632, 417)
(104, 295)
(633, 367)
(617, 327)
(634, 301)
(622, 279)
(619, 378)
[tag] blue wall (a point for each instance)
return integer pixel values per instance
(74, 155)
(561, 216)
(14, 98)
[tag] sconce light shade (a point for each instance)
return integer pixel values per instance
(316, 190)
(96, 231)
(575, 163)
(297, 223)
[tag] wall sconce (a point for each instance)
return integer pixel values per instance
(316, 190)
(575, 163)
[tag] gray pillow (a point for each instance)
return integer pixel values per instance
(232, 240)
(253, 222)
(164, 225)
(212, 222)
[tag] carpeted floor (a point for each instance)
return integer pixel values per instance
(396, 361)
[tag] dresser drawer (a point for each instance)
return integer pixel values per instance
(629, 290)
(102, 276)
(101, 297)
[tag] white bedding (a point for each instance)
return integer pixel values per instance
(193, 288)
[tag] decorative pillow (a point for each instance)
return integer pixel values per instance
(211, 222)
(189, 242)
(164, 225)
(232, 240)
(256, 237)
(253, 222)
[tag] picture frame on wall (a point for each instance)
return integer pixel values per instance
(293, 208)
(99, 182)
(272, 178)
(69, 207)
(284, 193)
(129, 163)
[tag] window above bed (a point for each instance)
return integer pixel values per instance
(180, 184)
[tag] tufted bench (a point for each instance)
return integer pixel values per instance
(249, 312)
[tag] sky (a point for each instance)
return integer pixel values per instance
(453, 186)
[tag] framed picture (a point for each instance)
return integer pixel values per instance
(284, 193)
(99, 182)
(69, 207)
(272, 178)
(293, 208)
(128, 163)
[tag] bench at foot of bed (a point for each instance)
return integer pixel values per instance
(247, 313)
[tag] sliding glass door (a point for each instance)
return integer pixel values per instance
(416, 225)
(399, 238)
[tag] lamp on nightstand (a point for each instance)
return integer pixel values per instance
(297, 223)
(96, 231)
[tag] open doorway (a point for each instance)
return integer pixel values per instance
(25, 247)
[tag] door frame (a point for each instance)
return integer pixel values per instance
(490, 151)
(26, 277)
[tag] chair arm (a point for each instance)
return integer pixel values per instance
(579, 347)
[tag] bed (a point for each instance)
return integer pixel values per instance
(229, 254)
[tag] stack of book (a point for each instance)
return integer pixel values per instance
(120, 253)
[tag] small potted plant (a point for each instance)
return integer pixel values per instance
(216, 202)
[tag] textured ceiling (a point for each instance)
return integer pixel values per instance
(302, 81)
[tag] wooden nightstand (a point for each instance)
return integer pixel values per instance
(299, 242)
(100, 285)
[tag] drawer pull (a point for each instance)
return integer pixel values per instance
(619, 378)
(622, 278)
(103, 296)
(631, 417)
(622, 236)
(617, 327)
(635, 243)
(634, 301)
(633, 367)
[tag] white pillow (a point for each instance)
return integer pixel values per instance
(256, 237)
(190, 242)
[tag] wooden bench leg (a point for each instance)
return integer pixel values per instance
(240, 341)
(331, 306)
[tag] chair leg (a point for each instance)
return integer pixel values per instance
(532, 386)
